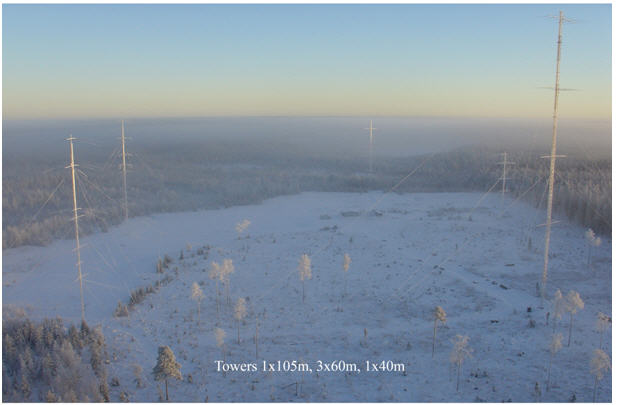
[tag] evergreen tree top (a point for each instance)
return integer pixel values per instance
(167, 366)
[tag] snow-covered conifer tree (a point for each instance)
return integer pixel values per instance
(460, 352)
(240, 311)
(166, 367)
(438, 315)
(573, 303)
(304, 271)
(599, 364)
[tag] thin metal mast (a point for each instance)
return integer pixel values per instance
(124, 176)
(371, 128)
(552, 165)
(75, 216)
(504, 163)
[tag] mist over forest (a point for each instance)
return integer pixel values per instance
(201, 163)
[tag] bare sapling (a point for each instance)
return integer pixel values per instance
(346, 267)
(554, 347)
(240, 311)
(438, 316)
(603, 323)
(197, 295)
(304, 271)
(573, 304)
(599, 364)
(460, 352)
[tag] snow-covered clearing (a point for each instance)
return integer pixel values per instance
(409, 253)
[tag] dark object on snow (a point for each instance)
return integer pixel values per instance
(529, 309)
(531, 323)
(494, 321)
(503, 287)
(510, 264)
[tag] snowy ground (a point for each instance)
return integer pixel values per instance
(415, 251)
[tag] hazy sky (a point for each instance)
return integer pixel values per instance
(118, 61)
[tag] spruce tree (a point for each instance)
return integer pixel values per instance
(166, 367)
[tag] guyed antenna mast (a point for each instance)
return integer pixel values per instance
(371, 128)
(552, 157)
(75, 217)
(124, 175)
(504, 163)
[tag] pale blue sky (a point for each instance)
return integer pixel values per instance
(76, 61)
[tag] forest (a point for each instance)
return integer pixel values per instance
(194, 175)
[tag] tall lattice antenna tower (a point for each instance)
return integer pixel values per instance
(552, 156)
(124, 175)
(371, 128)
(75, 217)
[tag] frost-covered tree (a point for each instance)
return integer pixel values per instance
(166, 367)
(599, 364)
(226, 270)
(554, 347)
(242, 226)
(603, 323)
(215, 274)
(559, 308)
(460, 352)
(220, 338)
(346, 267)
(240, 311)
(438, 316)
(197, 295)
(593, 241)
(573, 303)
(304, 271)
